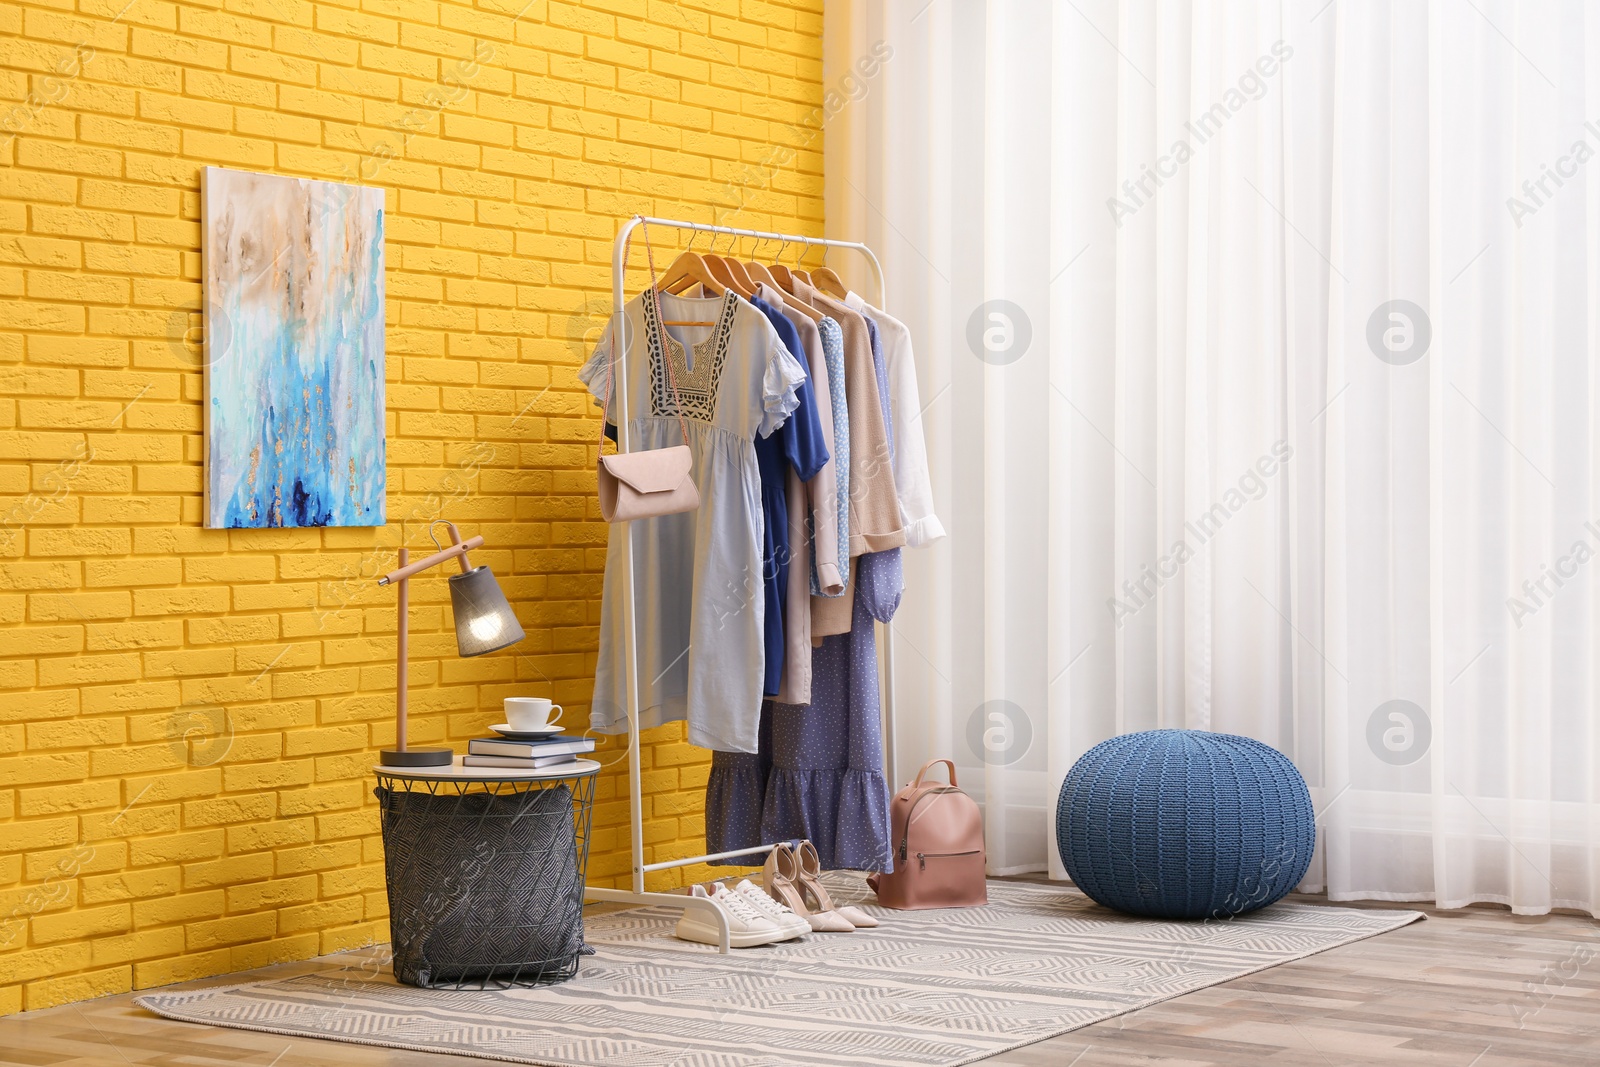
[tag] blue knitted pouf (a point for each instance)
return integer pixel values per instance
(1185, 824)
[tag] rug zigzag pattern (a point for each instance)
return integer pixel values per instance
(924, 989)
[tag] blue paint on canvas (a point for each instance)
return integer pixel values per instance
(294, 352)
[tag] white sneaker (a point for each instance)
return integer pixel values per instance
(775, 910)
(747, 927)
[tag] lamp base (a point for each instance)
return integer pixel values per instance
(417, 757)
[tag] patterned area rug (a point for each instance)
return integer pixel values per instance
(924, 989)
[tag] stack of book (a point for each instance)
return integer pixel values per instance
(527, 755)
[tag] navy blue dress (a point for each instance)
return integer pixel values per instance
(797, 443)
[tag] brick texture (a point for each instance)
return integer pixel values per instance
(188, 717)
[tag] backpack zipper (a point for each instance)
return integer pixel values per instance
(924, 857)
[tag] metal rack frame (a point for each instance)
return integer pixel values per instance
(640, 868)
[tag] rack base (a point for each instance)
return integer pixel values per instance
(669, 900)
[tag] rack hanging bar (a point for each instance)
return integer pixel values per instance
(708, 227)
(619, 324)
(619, 268)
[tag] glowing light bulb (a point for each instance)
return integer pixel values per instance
(486, 627)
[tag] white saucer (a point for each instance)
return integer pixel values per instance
(505, 730)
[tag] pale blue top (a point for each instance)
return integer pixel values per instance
(833, 354)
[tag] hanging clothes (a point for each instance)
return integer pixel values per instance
(736, 793)
(891, 580)
(794, 687)
(874, 508)
(697, 575)
(797, 445)
(819, 773)
(795, 454)
(825, 780)
(911, 481)
(814, 527)
(828, 493)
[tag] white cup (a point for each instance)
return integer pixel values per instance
(531, 713)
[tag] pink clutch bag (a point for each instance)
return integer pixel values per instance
(655, 481)
(642, 485)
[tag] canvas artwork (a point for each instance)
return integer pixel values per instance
(294, 349)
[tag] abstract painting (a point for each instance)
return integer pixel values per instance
(294, 316)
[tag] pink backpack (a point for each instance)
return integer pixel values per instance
(937, 836)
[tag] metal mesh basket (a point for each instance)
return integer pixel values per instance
(485, 879)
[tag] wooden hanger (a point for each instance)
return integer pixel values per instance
(796, 303)
(804, 306)
(687, 279)
(823, 278)
(737, 268)
(795, 272)
(756, 272)
(726, 270)
(783, 282)
(780, 273)
(689, 269)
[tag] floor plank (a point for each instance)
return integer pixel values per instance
(1477, 987)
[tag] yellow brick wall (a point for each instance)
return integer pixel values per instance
(188, 716)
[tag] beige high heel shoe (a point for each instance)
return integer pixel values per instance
(780, 876)
(811, 882)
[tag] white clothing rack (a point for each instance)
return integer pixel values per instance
(637, 894)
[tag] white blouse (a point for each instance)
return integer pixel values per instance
(911, 481)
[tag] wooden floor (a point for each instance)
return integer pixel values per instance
(1472, 988)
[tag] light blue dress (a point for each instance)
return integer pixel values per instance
(697, 574)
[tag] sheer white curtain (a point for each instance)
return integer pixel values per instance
(1256, 346)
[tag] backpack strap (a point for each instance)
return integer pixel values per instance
(948, 763)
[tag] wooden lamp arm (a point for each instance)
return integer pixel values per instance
(460, 548)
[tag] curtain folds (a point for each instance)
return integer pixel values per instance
(1257, 355)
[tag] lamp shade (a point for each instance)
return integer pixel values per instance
(484, 621)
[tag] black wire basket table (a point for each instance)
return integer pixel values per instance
(485, 870)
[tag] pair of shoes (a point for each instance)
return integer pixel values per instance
(793, 876)
(753, 917)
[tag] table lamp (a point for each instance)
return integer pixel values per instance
(484, 623)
